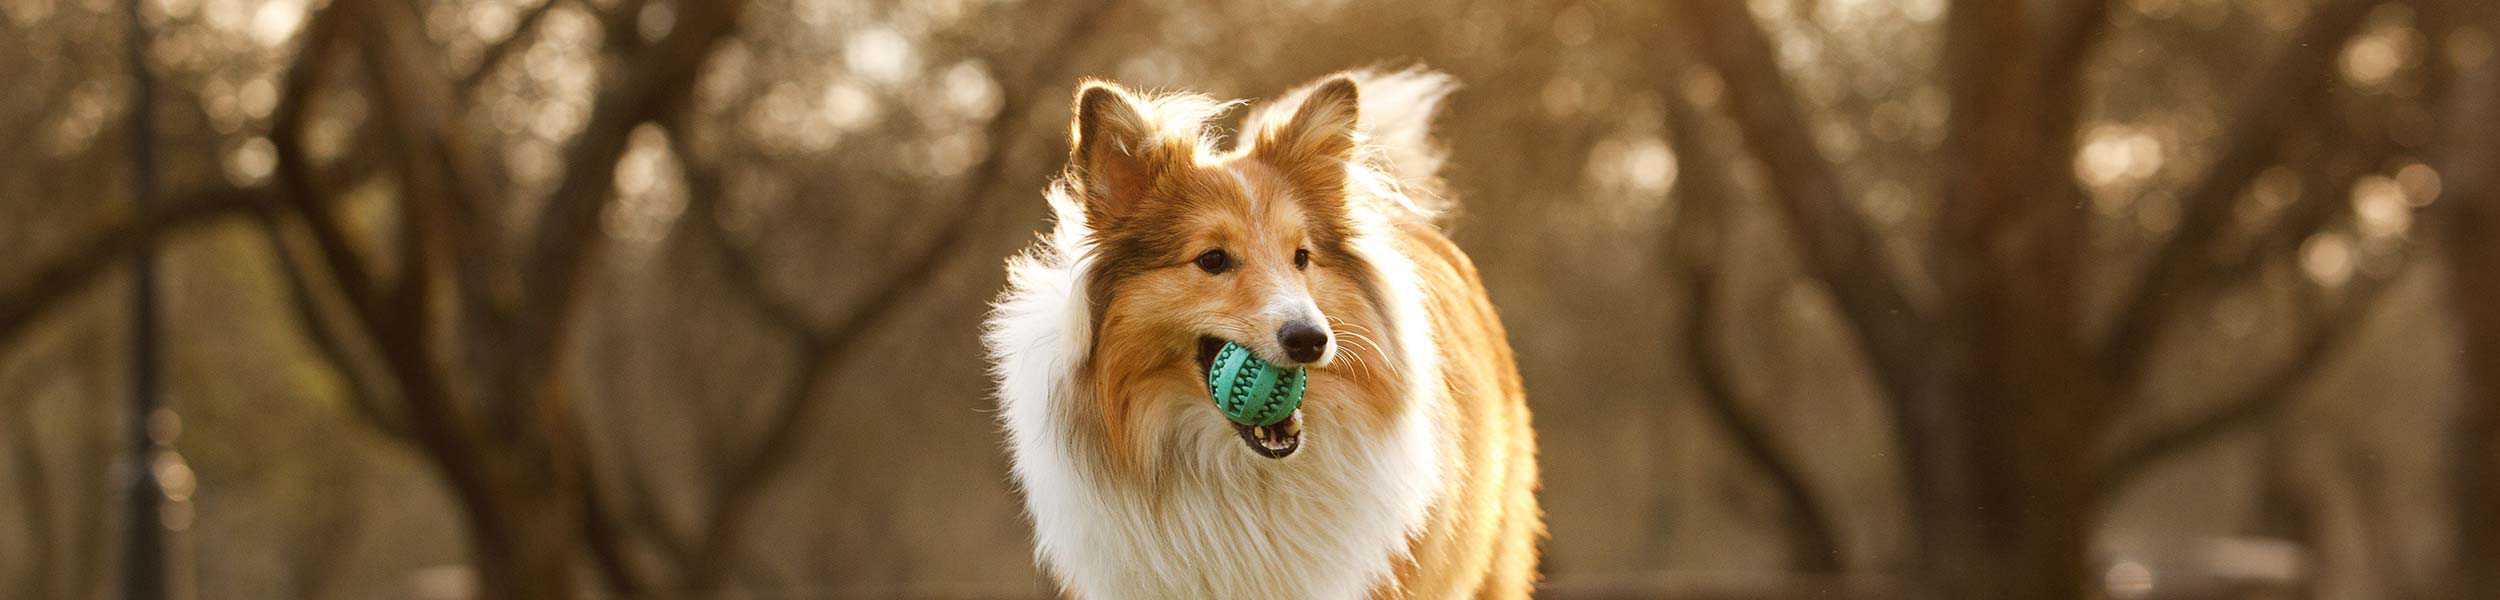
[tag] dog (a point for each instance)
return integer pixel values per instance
(1410, 469)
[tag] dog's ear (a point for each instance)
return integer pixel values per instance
(1313, 145)
(1114, 151)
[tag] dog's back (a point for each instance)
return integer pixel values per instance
(1481, 538)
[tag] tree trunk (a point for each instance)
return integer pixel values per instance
(523, 536)
(2019, 523)
(2012, 236)
(2474, 286)
(2472, 209)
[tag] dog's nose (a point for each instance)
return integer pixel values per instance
(1303, 342)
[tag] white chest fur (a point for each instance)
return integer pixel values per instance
(1211, 520)
(1325, 523)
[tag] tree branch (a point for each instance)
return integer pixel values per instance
(607, 542)
(115, 239)
(2063, 55)
(430, 416)
(294, 168)
(363, 394)
(820, 348)
(2287, 94)
(441, 183)
(2277, 389)
(523, 31)
(567, 235)
(1696, 239)
(746, 481)
(34, 495)
(1813, 543)
(1840, 248)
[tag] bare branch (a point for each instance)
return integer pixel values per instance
(2342, 156)
(746, 481)
(34, 494)
(1813, 543)
(2321, 203)
(2065, 52)
(1005, 128)
(644, 514)
(2327, 336)
(492, 60)
(2287, 94)
(705, 188)
(820, 348)
(119, 235)
(607, 542)
(567, 235)
(421, 387)
(1697, 240)
(1840, 248)
(364, 395)
(294, 168)
(441, 182)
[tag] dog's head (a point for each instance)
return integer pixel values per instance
(1194, 247)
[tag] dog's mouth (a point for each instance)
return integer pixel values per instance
(1277, 440)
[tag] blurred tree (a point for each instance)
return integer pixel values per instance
(1697, 242)
(2472, 214)
(462, 353)
(2005, 402)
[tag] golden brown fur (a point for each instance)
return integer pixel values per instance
(1481, 540)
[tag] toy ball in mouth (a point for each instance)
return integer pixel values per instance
(1252, 392)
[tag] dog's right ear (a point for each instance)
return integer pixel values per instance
(1114, 151)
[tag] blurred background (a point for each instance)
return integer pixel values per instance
(1814, 298)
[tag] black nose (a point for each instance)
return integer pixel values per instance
(1303, 342)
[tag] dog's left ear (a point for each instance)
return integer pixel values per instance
(1314, 144)
(1116, 152)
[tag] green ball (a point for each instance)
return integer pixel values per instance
(1251, 391)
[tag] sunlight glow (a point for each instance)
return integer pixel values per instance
(969, 90)
(2327, 259)
(2375, 58)
(648, 195)
(276, 21)
(880, 54)
(2118, 154)
(846, 106)
(2420, 182)
(2128, 579)
(251, 161)
(2380, 206)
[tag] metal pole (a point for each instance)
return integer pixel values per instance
(144, 562)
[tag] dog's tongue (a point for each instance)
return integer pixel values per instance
(1251, 391)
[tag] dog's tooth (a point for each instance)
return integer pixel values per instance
(1260, 431)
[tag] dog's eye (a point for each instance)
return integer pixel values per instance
(1301, 258)
(1214, 261)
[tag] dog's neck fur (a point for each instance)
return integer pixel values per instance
(1206, 518)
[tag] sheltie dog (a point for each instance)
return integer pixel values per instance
(1410, 470)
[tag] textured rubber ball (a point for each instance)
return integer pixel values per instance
(1251, 391)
